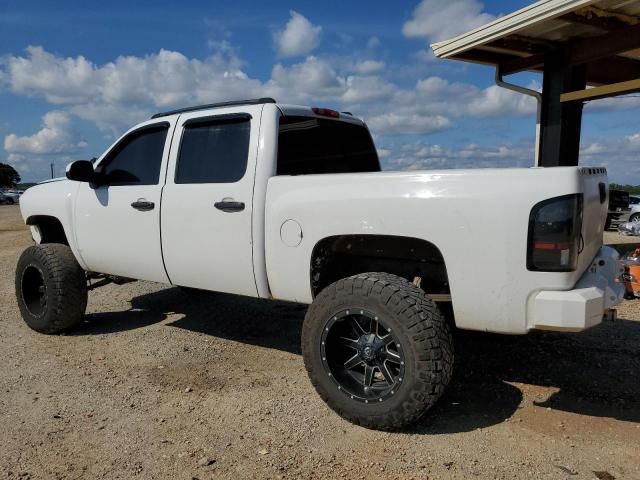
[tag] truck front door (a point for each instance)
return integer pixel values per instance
(117, 223)
(207, 201)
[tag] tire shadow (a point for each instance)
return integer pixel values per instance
(112, 322)
(596, 373)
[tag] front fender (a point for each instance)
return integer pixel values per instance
(53, 199)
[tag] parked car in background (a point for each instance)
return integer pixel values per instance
(634, 205)
(7, 198)
(619, 210)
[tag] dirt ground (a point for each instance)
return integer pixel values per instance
(157, 384)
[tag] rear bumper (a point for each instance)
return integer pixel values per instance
(598, 290)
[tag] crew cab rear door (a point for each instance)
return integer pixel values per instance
(207, 202)
(117, 222)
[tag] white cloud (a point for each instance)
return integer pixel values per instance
(118, 94)
(124, 91)
(426, 156)
(313, 78)
(58, 80)
(54, 137)
(442, 19)
(633, 141)
(367, 89)
(373, 42)
(625, 102)
(298, 38)
(394, 123)
(620, 156)
(591, 149)
(368, 67)
(496, 101)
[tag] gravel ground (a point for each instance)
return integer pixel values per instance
(157, 384)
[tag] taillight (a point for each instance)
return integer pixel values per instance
(554, 234)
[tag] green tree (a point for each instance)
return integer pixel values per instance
(8, 176)
(633, 189)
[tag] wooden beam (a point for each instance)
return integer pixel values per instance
(484, 57)
(585, 50)
(613, 90)
(532, 62)
(601, 23)
(521, 44)
(612, 70)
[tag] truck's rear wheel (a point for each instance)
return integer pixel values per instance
(51, 288)
(377, 350)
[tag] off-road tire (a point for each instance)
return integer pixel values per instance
(65, 288)
(420, 328)
(635, 217)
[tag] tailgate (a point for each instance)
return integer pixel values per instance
(595, 186)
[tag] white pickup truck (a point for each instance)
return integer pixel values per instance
(287, 202)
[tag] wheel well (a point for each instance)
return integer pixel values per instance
(50, 228)
(341, 256)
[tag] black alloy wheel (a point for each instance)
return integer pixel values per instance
(362, 355)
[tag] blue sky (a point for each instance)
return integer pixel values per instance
(74, 75)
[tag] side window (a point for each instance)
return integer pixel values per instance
(137, 159)
(214, 150)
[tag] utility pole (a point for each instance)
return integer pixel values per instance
(51, 169)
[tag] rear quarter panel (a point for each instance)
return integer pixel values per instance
(477, 218)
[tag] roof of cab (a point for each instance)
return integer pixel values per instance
(286, 109)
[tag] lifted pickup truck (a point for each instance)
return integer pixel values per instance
(287, 202)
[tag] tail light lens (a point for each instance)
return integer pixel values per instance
(326, 112)
(555, 227)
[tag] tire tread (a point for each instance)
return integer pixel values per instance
(423, 323)
(66, 291)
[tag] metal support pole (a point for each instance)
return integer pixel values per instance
(532, 93)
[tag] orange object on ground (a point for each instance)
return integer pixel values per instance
(632, 280)
(631, 276)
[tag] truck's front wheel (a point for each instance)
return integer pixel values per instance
(51, 288)
(377, 350)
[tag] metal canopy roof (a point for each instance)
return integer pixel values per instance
(603, 35)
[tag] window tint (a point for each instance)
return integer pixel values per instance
(214, 152)
(312, 145)
(634, 200)
(136, 160)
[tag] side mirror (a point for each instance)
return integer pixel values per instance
(81, 171)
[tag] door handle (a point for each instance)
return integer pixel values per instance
(143, 205)
(229, 206)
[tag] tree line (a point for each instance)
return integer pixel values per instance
(635, 189)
